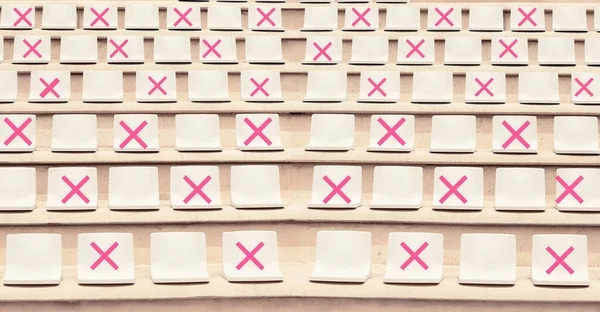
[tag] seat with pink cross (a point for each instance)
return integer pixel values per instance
(260, 86)
(488, 259)
(462, 50)
(323, 50)
(520, 189)
(133, 188)
(509, 51)
(514, 134)
(392, 133)
(197, 132)
(397, 187)
(432, 87)
(538, 88)
(342, 256)
(100, 16)
(585, 88)
(224, 17)
(33, 259)
(379, 86)
(105, 258)
(74, 133)
(255, 186)
(369, 50)
(453, 134)
(178, 257)
(8, 86)
(18, 189)
(486, 18)
(577, 189)
(17, 133)
(444, 18)
(155, 86)
(361, 18)
(569, 19)
(576, 135)
(195, 187)
(125, 49)
(218, 50)
(251, 256)
(72, 188)
(183, 17)
(141, 16)
(415, 50)
(257, 132)
(264, 50)
(458, 188)
(527, 18)
(485, 87)
(331, 132)
(50, 86)
(559, 260)
(336, 187)
(135, 133)
(20, 16)
(264, 18)
(556, 51)
(414, 258)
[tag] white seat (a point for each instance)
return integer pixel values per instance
(78, 49)
(521, 189)
(155, 86)
(183, 17)
(100, 16)
(141, 16)
(369, 50)
(74, 133)
(72, 188)
(453, 134)
(415, 258)
(434, 87)
(326, 86)
(320, 19)
(251, 256)
(397, 187)
(17, 133)
(260, 86)
(105, 258)
(257, 132)
(576, 135)
(33, 259)
(172, 49)
(208, 86)
(2, 49)
(255, 186)
(444, 18)
(336, 187)
(264, 50)
(379, 86)
(50, 86)
(577, 189)
(316, 1)
(218, 49)
(509, 51)
(538, 88)
(486, 18)
(556, 51)
(489, 259)
(597, 19)
(559, 260)
(354, 1)
(8, 86)
(197, 132)
(514, 134)
(392, 133)
(569, 18)
(265, 18)
(102, 86)
(59, 16)
(485, 87)
(323, 50)
(361, 18)
(331, 132)
(133, 188)
(195, 187)
(135, 133)
(585, 88)
(342, 256)
(458, 188)
(31, 49)
(391, 1)
(527, 18)
(463, 50)
(18, 189)
(178, 257)
(415, 50)
(19, 16)
(125, 49)
(224, 17)
(403, 18)
(592, 51)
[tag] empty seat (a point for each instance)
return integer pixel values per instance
(8, 86)
(592, 51)
(342, 256)
(403, 18)
(125, 49)
(78, 49)
(559, 260)
(434, 87)
(556, 51)
(257, 132)
(514, 134)
(218, 49)
(155, 86)
(331, 132)
(576, 189)
(255, 186)
(485, 87)
(527, 18)
(100, 16)
(263, 17)
(392, 133)
(538, 88)
(72, 188)
(20, 16)
(133, 188)
(172, 49)
(597, 19)
(569, 18)
(576, 135)
(323, 50)
(361, 18)
(488, 259)
(102, 86)
(264, 50)
(462, 50)
(444, 18)
(141, 16)
(105, 258)
(224, 17)
(379, 86)
(74, 133)
(458, 188)
(326, 86)
(17, 133)
(197, 132)
(31, 49)
(352, 1)
(251, 256)
(509, 51)
(183, 17)
(260, 86)
(397, 187)
(18, 189)
(33, 259)
(336, 187)
(195, 187)
(415, 50)
(585, 88)
(320, 19)
(208, 86)
(486, 18)
(59, 16)
(50, 86)
(178, 257)
(369, 50)
(2, 49)
(415, 258)
(453, 134)
(135, 133)
(522, 189)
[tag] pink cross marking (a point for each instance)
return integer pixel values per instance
(118, 48)
(484, 87)
(322, 51)
(265, 17)
(182, 17)
(560, 260)
(104, 256)
(250, 255)
(569, 189)
(444, 17)
(258, 131)
(391, 131)
(527, 17)
(259, 87)
(197, 189)
(337, 189)
(17, 131)
(584, 87)
(211, 48)
(133, 134)
(22, 17)
(75, 189)
(415, 48)
(414, 256)
(508, 48)
(157, 85)
(377, 86)
(361, 16)
(49, 88)
(515, 134)
(32, 48)
(453, 189)
(99, 17)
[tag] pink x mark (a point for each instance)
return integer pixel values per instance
(484, 86)
(104, 255)
(444, 17)
(453, 189)
(527, 17)
(569, 189)
(560, 260)
(265, 17)
(22, 17)
(258, 131)
(99, 17)
(322, 51)
(75, 189)
(259, 87)
(414, 256)
(182, 17)
(584, 87)
(250, 255)
(515, 134)
(508, 48)
(49, 88)
(337, 189)
(118, 48)
(415, 48)
(17, 131)
(133, 134)
(197, 189)
(391, 131)
(377, 86)
(361, 16)
(157, 85)
(32, 48)
(211, 48)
